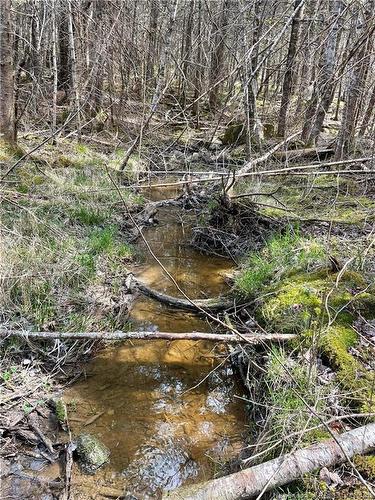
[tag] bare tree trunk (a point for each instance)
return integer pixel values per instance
(197, 76)
(55, 70)
(187, 53)
(73, 59)
(368, 113)
(346, 139)
(289, 76)
(283, 470)
(218, 55)
(325, 84)
(160, 87)
(7, 121)
(152, 49)
(250, 87)
(64, 67)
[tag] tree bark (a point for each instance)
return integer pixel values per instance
(213, 304)
(250, 86)
(325, 85)
(289, 76)
(218, 55)
(283, 470)
(161, 83)
(64, 68)
(357, 79)
(368, 113)
(198, 70)
(198, 336)
(55, 71)
(7, 120)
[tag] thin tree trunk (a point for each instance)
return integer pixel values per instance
(218, 55)
(368, 113)
(197, 77)
(160, 87)
(64, 68)
(55, 71)
(187, 53)
(290, 67)
(152, 51)
(73, 59)
(357, 79)
(250, 87)
(325, 85)
(7, 120)
(265, 477)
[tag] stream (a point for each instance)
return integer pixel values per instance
(167, 410)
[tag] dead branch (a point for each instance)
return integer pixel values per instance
(295, 170)
(283, 470)
(212, 304)
(119, 335)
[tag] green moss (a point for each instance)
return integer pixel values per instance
(293, 307)
(351, 373)
(92, 453)
(356, 493)
(366, 465)
(283, 254)
(234, 134)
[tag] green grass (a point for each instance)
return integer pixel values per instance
(63, 239)
(89, 216)
(282, 254)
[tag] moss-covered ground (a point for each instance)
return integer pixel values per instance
(319, 285)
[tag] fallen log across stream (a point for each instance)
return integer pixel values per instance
(119, 335)
(264, 477)
(211, 304)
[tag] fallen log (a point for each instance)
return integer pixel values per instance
(119, 335)
(306, 152)
(212, 304)
(283, 470)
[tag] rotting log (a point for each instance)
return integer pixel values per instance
(119, 335)
(283, 470)
(212, 304)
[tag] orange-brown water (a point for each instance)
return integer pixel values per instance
(167, 415)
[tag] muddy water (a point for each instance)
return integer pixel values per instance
(166, 410)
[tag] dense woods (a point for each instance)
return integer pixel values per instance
(187, 251)
(88, 65)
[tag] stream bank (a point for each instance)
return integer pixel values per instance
(168, 413)
(86, 227)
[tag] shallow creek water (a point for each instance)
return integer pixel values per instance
(165, 414)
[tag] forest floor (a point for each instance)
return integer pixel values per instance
(305, 256)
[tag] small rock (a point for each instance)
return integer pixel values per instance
(91, 452)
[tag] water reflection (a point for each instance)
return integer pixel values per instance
(160, 431)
